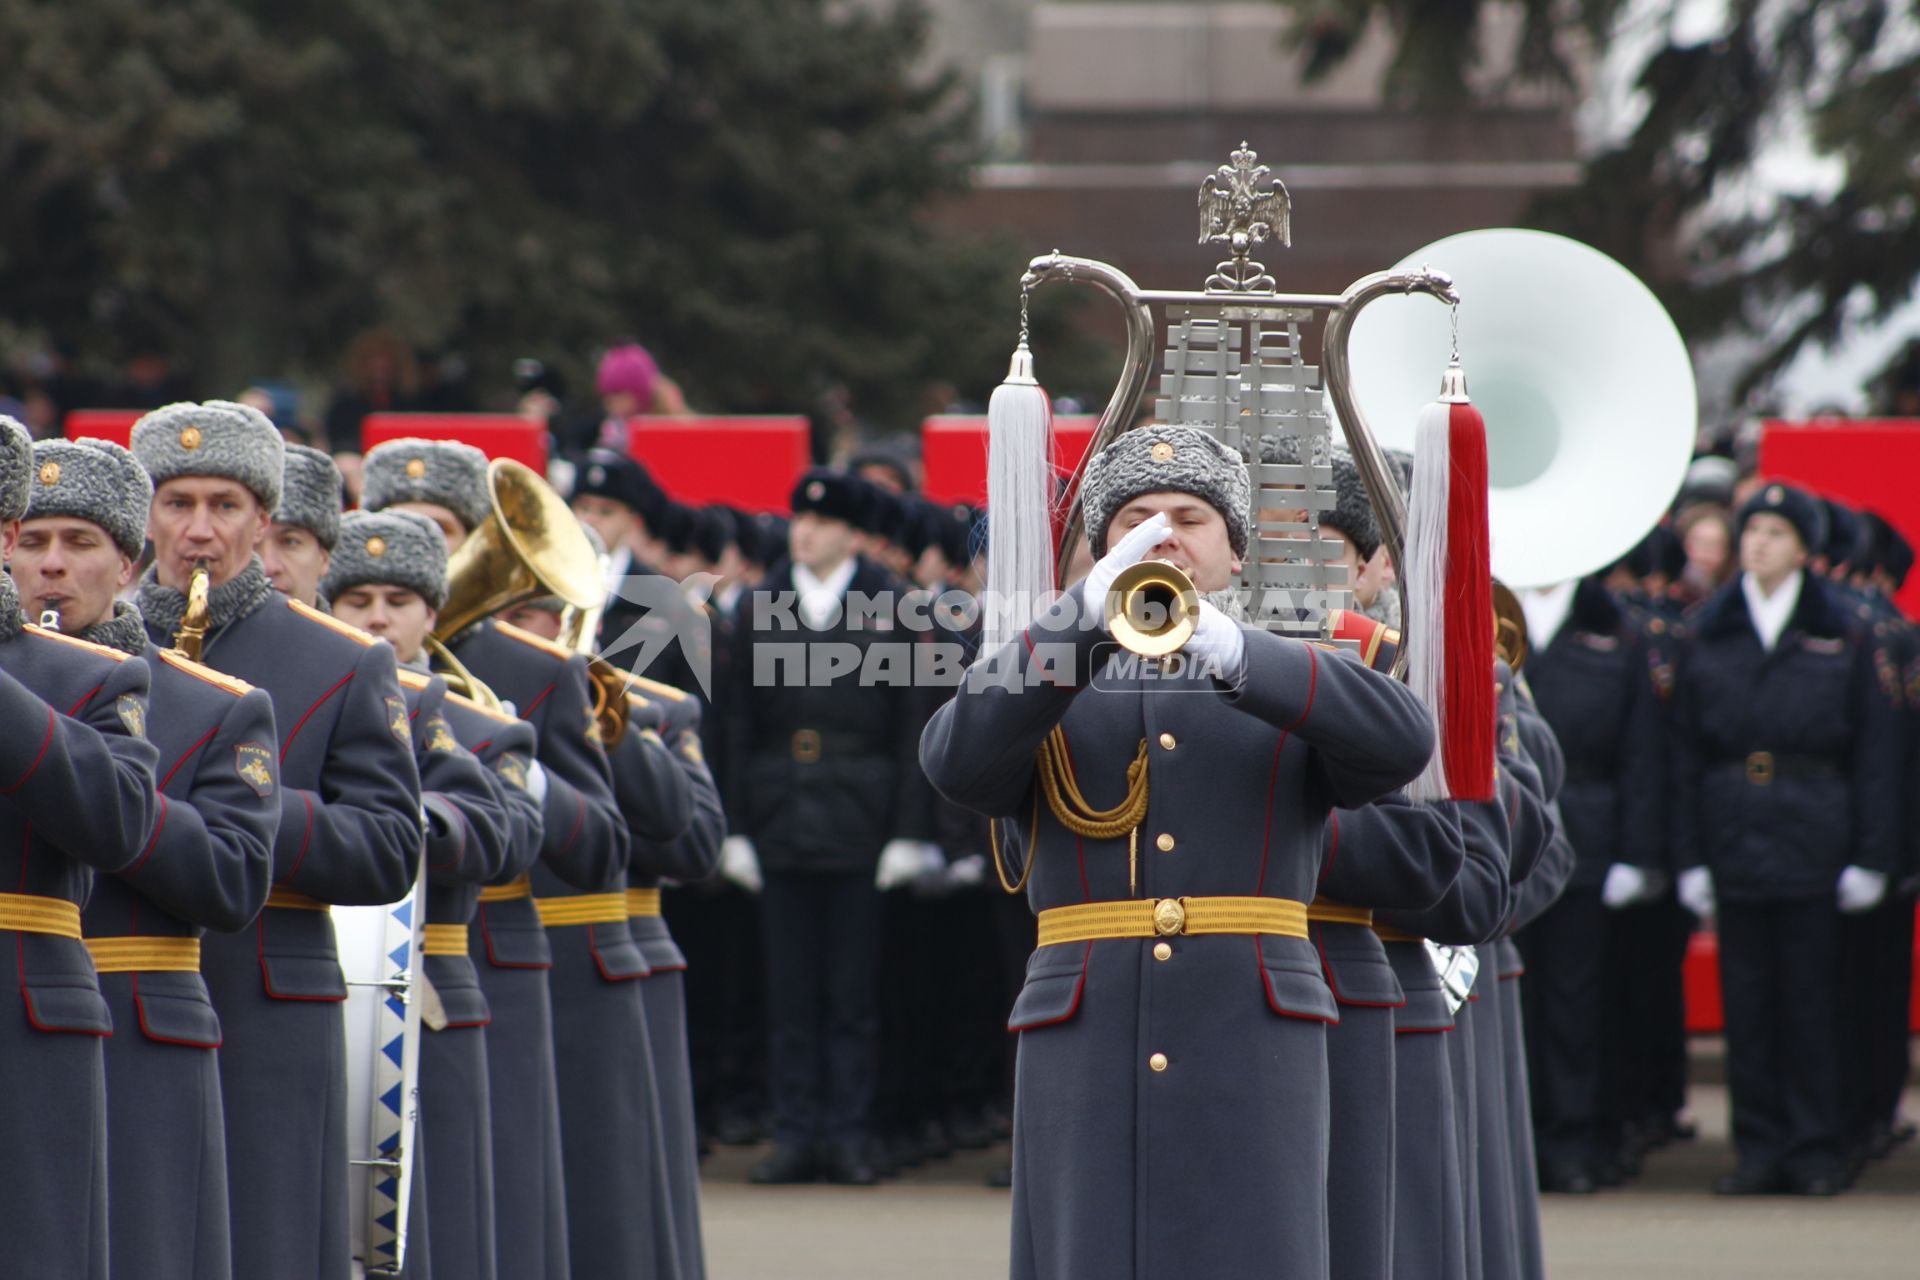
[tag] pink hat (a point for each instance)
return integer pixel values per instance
(628, 368)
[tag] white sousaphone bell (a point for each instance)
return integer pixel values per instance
(1585, 385)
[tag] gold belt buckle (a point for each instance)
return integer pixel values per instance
(1169, 918)
(1760, 768)
(806, 746)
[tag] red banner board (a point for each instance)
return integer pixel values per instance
(1868, 463)
(953, 453)
(747, 462)
(498, 435)
(103, 424)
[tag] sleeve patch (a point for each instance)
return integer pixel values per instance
(440, 735)
(397, 719)
(133, 713)
(513, 768)
(254, 764)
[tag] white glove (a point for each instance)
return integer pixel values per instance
(1696, 891)
(1861, 890)
(901, 863)
(1127, 552)
(537, 782)
(1627, 884)
(931, 882)
(967, 872)
(1217, 646)
(740, 864)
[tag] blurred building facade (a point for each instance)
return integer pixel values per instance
(1100, 120)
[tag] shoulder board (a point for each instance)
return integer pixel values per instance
(533, 641)
(640, 684)
(101, 649)
(462, 700)
(332, 623)
(414, 679)
(218, 679)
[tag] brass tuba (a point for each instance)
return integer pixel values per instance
(530, 545)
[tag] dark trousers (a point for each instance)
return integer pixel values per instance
(823, 946)
(1565, 951)
(1876, 977)
(717, 925)
(1646, 1035)
(1779, 971)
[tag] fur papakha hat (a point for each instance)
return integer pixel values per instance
(16, 468)
(95, 480)
(310, 497)
(393, 548)
(1153, 459)
(445, 472)
(219, 438)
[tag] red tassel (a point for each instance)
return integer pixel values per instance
(1471, 733)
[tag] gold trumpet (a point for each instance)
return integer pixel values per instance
(530, 545)
(1152, 608)
(193, 623)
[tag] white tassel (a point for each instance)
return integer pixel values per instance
(1020, 550)
(1426, 578)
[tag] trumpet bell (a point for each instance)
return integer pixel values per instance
(1584, 382)
(1152, 608)
(530, 545)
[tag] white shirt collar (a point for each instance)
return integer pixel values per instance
(619, 565)
(820, 597)
(1770, 613)
(1546, 609)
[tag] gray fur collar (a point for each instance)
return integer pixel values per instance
(11, 619)
(125, 630)
(227, 603)
(1385, 608)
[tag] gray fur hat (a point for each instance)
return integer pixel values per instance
(16, 468)
(397, 548)
(1160, 457)
(218, 438)
(310, 499)
(95, 480)
(1352, 513)
(446, 472)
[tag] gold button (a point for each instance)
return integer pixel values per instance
(1166, 741)
(190, 438)
(1165, 842)
(49, 473)
(1162, 951)
(1158, 1062)
(416, 467)
(1161, 451)
(376, 547)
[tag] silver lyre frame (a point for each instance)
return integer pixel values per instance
(1240, 290)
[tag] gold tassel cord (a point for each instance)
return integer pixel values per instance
(1068, 804)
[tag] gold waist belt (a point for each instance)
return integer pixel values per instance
(1323, 911)
(145, 955)
(31, 913)
(583, 908)
(509, 892)
(643, 902)
(1390, 934)
(1172, 917)
(444, 940)
(294, 900)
